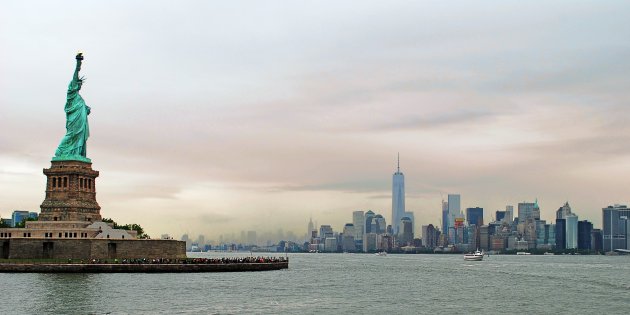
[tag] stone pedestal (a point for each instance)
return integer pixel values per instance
(70, 193)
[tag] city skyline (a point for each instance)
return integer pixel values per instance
(233, 132)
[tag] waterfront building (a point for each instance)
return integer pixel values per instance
(475, 216)
(498, 242)
(484, 238)
(472, 239)
(615, 231)
(369, 215)
(541, 233)
(347, 239)
(369, 242)
(384, 242)
(348, 230)
(521, 245)
(596, 240)
(406, 234)
(585, 229)
(398, 198)
(561, 234)
(429, 236)
(511, 242)
(330, 244)
(572, 231)
(358, 220)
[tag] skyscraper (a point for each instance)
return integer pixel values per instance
(509, 214)
(561, 234)
(398, 198)
(474, 216)
(369, 216)
(406, 231)
(444, 216)
(358, 220)
(616, 223)
(585, 230)
(572, 231)
(454, 209)
(528, 210)
(311, 228)
(563, 211)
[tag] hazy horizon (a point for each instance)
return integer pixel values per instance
(216, 118)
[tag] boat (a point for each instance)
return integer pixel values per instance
(381, 254)
(476, 256)
(523, 253)
(548, 253)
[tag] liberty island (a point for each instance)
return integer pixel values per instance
(71, 236)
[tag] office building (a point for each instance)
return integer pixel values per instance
(615, 231)
(444, 216)
(379, 226)
(597, 240)
(429, 236)
(499, 216)
(369, 242)
(572, 231)
(398, 198)
(325, 231)
(358, 220)
(454, 209)
(585, 230)
(369, 216)
(563, 211)
(474, 216)
(561, 234)
(20, 216)
(509, 214)
(406, 233)
(528, 210)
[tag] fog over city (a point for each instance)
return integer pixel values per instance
(216, 118)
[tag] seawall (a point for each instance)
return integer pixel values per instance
(140, 268)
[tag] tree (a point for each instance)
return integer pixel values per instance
(23, 223)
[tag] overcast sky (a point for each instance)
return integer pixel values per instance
(219, 116)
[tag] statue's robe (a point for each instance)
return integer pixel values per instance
(77, 128)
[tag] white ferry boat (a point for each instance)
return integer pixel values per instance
(476, 256)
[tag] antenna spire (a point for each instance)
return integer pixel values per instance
(398, 162)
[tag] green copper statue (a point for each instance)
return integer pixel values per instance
(73, 145)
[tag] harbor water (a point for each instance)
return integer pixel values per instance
(341, 283)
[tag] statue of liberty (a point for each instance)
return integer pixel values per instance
(73, 144)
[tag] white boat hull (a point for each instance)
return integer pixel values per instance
(473, 257)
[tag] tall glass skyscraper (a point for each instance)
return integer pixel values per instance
(398, 198)
(454, 209)
(572, 231)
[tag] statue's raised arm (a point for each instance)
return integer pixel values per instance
(79, 58)
(74, 143)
